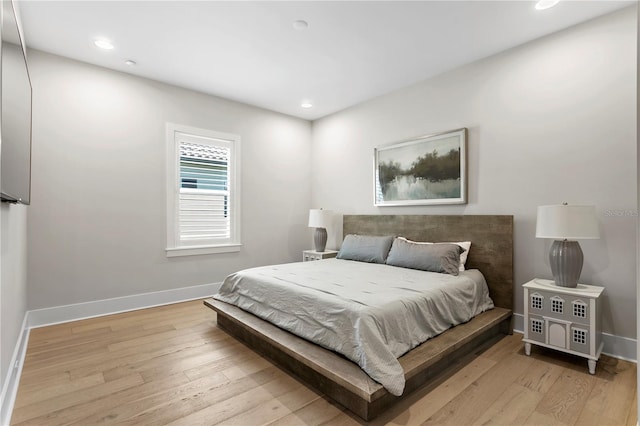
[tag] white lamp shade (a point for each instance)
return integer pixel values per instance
(567, 222)
(319, 218)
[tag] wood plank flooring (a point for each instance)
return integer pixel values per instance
(172, 365)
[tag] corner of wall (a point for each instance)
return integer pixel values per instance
(10, 385)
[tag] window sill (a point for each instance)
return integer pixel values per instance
(199, 250)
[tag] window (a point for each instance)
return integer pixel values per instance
(557, 305)
(579, 309)
(579, 336)
(536, 326)
(203, 191)
(536, 301)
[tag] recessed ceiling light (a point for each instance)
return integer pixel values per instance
(546, 4)
(306, 105)
(300, 24)
(103, 43)
(130, 63)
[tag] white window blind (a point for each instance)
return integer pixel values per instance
(203, 199)
(204, 193)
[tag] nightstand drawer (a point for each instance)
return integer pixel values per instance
(537, 329)
(311, 255)
(569, 308)
(580, 340)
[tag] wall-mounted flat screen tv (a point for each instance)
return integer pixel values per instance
(15, 119)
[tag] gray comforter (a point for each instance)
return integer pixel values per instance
(370, 313)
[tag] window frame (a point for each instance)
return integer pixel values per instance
(174, 132)
(534, 299)
(558, 306)
(583, 309)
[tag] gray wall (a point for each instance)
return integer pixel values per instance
(551, 121)
(13, 280)
(97, 218)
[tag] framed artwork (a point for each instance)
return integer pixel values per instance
(423, 171)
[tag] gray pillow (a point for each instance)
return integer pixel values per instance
(365, 248)
(443, 258)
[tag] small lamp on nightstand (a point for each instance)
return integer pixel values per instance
(566, 223)
(319, 219)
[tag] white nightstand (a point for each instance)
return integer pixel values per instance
(309, 255)
(563, 318)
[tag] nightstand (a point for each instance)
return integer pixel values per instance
(563, 318)
(309, 255)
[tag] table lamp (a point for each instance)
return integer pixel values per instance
(319, 219)
(565, 224)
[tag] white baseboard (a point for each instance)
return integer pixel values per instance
(60, 314)
(615, 346)
(79, 311)
(620, 347)
(10, 388)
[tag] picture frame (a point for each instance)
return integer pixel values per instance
(427, 170)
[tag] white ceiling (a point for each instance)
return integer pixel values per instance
(351, 52)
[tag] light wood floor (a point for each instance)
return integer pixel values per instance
(171, 364)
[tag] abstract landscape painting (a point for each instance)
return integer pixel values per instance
(426, 170)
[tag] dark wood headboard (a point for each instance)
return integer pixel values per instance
(491, 239)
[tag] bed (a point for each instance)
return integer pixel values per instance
(343, 380)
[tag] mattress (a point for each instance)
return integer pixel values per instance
(370, 313)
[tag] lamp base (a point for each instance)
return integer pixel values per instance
(320, 239)
(566, 261)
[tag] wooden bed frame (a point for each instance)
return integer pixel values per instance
(341, 379)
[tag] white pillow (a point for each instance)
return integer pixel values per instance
(466, 245)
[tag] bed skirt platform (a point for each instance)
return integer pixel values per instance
(341, 379)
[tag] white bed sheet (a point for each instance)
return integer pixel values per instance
(370, 313)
